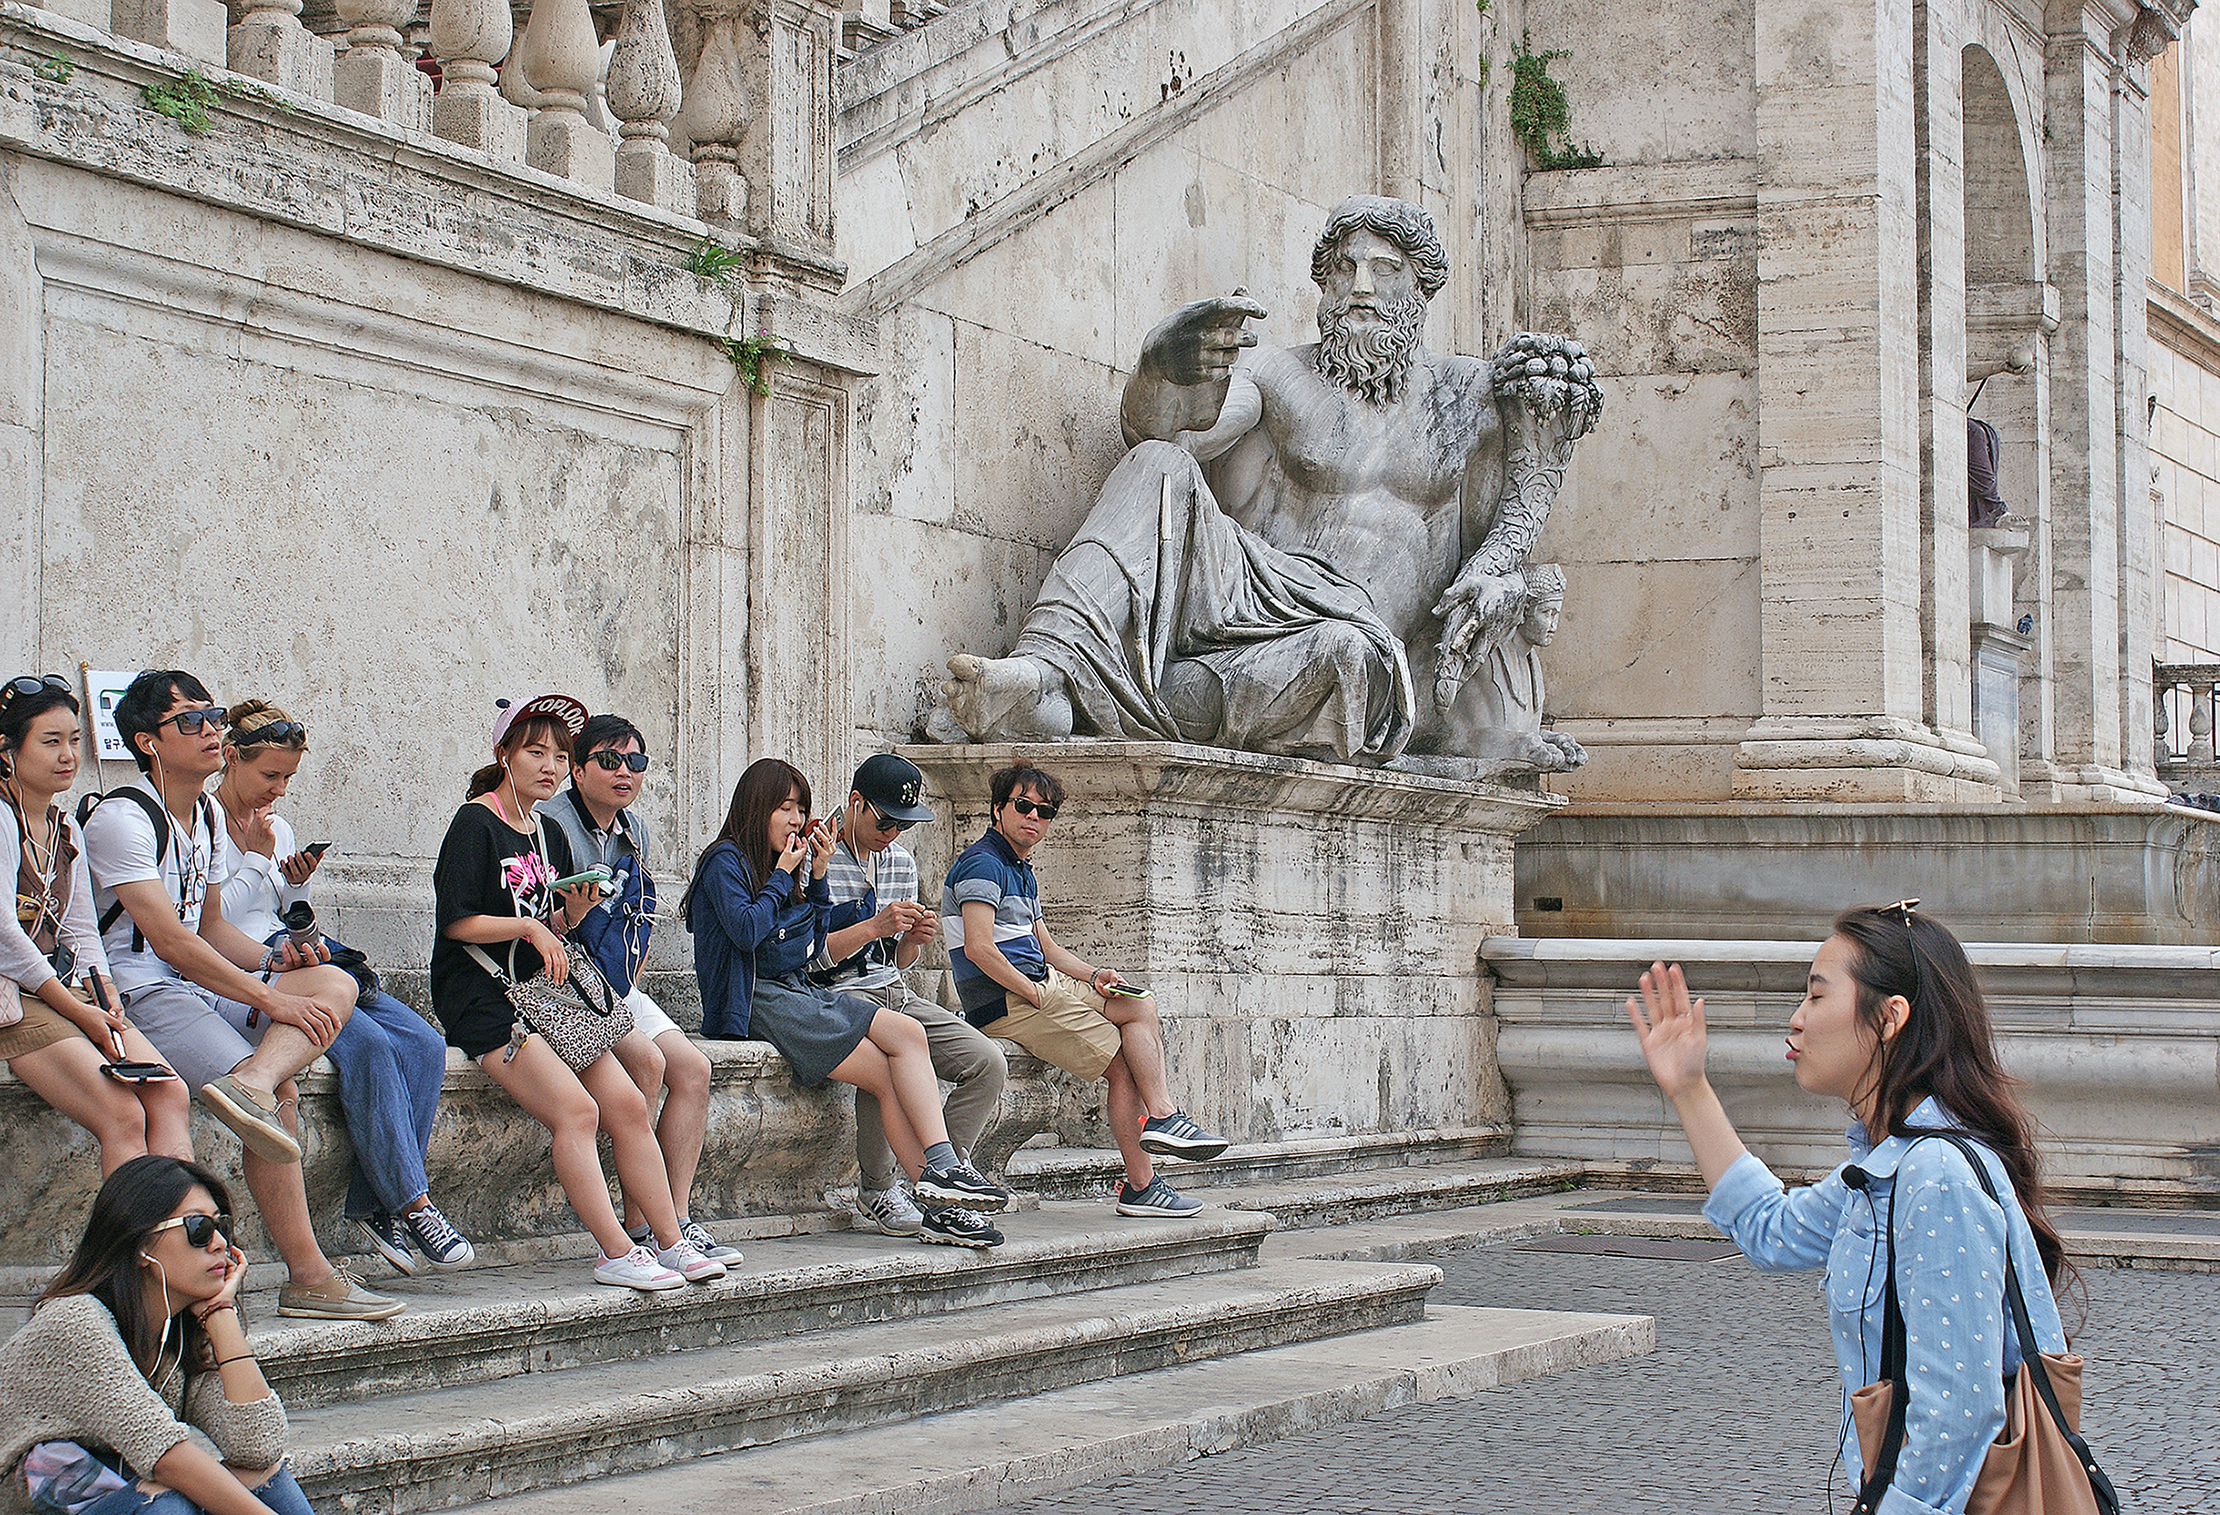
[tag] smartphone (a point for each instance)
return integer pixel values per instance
(1130, 991)
(594, 875)
(317, 849)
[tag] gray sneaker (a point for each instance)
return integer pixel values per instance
(339, 1297)
(891, 1210)
(707, 1245)
(436, 1237)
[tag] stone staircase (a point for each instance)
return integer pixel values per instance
(845, 1370)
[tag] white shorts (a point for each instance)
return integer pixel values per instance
(647, 1015)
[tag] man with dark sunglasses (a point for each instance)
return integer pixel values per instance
(608, 761)
(236, 1021)
(877, 928)
(1017, 983)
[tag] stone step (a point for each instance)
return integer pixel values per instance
(1353, 1197)
(1085, 1172)
(485, 1324)
(980, 1458)
(458, 1445)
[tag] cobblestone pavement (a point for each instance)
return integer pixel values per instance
(1733, 1415)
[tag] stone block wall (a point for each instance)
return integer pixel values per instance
(2185, 473)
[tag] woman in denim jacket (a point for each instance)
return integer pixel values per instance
(1893, 1024)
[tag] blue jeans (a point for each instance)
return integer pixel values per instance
(389, 1060)
(281, 1494)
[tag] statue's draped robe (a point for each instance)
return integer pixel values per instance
(1171, 621)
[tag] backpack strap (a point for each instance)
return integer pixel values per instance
(158, 816)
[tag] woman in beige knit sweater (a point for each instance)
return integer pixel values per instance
(138, 1339)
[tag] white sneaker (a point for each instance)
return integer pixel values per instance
(638, 1269)
(891, 1210)
(686, 1257)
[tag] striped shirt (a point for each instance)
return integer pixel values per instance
(886, 876)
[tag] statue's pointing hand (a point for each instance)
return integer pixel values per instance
(1198, 343)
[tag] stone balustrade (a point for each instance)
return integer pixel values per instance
(533, 93)
(2182, 702)
(2117, 1049)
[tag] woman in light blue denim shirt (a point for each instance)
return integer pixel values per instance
(1893, 1024)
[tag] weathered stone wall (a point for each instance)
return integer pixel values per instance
(2185, 473)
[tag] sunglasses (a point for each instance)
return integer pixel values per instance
(610, 762)
(30, 684)
(191, 721)
(199, 1230)
(1029, 807)
(269, 733)
(885, 822)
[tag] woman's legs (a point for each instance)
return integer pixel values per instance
(279, 1492)
(67, 1076)
(893, 1063)
(168, 1107)
(624, 1115)
(551, 1094)
(642, 1061)
(684, 1123)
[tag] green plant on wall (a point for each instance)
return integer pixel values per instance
(1540, 116)
(186, 102)
(749, 354)
(715, 264)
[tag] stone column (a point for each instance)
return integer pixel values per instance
(268, 42)
(787, 148)
(468, 38)
(643, 88)
(561, 59)
(717, 110)
(1839, 426)
(375, 78)
(1947, 696)
(1401, 45)
(2098, 292)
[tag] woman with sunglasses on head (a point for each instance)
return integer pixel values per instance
(59, 1038)
(387, 1058)
(494, 891)
(135, 1344)
(1893, 1024)
(756, 925)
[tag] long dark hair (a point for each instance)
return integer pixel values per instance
(765, 786)
(136, 1198)
(1946, 1050)
(513, 741)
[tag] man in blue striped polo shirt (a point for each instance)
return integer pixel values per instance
(1016, 983)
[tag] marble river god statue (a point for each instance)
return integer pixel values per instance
(1301, 538)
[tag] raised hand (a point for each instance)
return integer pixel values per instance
(1198, 343)
(1671, 1028)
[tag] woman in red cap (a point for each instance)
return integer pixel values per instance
(494, 890)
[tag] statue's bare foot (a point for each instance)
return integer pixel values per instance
(1007, 699)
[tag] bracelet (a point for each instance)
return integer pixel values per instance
(225, 1362)
(203, 1315)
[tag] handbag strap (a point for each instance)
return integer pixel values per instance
(1893, 1354)
(487, 963)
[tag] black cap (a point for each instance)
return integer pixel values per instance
(892, 785)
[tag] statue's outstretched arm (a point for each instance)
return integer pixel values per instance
(1546, 395)
(1185, 367)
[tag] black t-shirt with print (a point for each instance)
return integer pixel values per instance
(487, 867)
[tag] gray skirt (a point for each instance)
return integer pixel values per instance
(814, 1029)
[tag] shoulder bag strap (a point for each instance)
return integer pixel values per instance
(1875, 1488)
(2031, 1353)
(503, 979)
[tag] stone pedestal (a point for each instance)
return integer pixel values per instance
(1310, 930)
(196, 28)
(1998, 646)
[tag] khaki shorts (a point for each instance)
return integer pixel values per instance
(1067, 1029)
(41, 1027)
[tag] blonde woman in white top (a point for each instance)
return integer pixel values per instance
(58, 1037)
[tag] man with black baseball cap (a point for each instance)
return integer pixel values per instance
(878, 927)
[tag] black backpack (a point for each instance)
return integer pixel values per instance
(159, 815)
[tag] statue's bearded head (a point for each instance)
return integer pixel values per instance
(1377, 264)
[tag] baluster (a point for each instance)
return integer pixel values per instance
(561, 59)
(468, 38)
(268, 42)
(2161, 754)
(716, 114)
(643, 86)
(2200, 722)
(375, 78)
